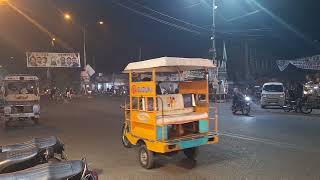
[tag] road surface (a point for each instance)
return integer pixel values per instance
(268, 144)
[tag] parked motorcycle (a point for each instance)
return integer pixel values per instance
(243, 106)
(24, 155)
(71, 170)
(297, 106)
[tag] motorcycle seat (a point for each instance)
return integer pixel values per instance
(57, 170)
(14, 157)
(41, 143)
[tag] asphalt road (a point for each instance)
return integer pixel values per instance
(269, 144)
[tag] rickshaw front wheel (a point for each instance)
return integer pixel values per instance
(146, 157)
(191, 153)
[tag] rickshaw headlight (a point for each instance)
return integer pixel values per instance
(7, 110)
(36, 108)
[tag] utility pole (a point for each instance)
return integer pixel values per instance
(213, 30)
(84, 47)
(140, 54)
(94, 62)
(213, 38)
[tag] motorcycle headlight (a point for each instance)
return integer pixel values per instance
(36, 108)
(7, 110)
(247, 98)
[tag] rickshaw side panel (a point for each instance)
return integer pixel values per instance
(143, 121)
(143, 124)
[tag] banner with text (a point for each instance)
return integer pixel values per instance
(45, 59)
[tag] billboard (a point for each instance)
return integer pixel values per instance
(45, 59)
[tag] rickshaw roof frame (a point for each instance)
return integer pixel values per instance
(169, 64)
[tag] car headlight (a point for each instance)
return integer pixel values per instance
(7, 110)
(264, 96)
(36, 108)
(247, 98)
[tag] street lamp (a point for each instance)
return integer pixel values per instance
(67, 17)
(3, 2)
(53, 40)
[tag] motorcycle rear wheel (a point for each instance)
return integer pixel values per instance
(305, 108)
(246, 110)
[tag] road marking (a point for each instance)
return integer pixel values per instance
(268, 141)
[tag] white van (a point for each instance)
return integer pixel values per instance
(272, 94)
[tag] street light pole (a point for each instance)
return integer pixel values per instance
(84, 47)
(213, 30)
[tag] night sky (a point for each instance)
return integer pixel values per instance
(285, 28)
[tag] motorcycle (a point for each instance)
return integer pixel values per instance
(71, 170)
(297, 106)
(24, 155)
(243, 106)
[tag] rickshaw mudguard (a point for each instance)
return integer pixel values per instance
(213, 140)
(133, 140)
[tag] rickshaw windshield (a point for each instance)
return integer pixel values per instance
(21, 87)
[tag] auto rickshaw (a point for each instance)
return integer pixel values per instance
(168, 108)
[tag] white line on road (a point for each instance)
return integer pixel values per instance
(268, 141)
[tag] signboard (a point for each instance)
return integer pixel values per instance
(90, 70)
(45, 59)
(142, 89)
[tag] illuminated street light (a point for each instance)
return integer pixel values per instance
(3, 2)
(67, 16)
(53, 40)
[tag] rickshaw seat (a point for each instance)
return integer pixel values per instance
(173, 111)
(181, 118)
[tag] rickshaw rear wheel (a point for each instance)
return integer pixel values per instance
(191, 153)
(126, 143)
(146, 157)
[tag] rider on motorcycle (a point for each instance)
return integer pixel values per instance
(53, 92)
(237, 96)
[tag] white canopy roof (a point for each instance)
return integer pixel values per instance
(169, 64)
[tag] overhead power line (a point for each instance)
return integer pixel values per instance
(157, 19)
(168, 16)
(245, 15)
